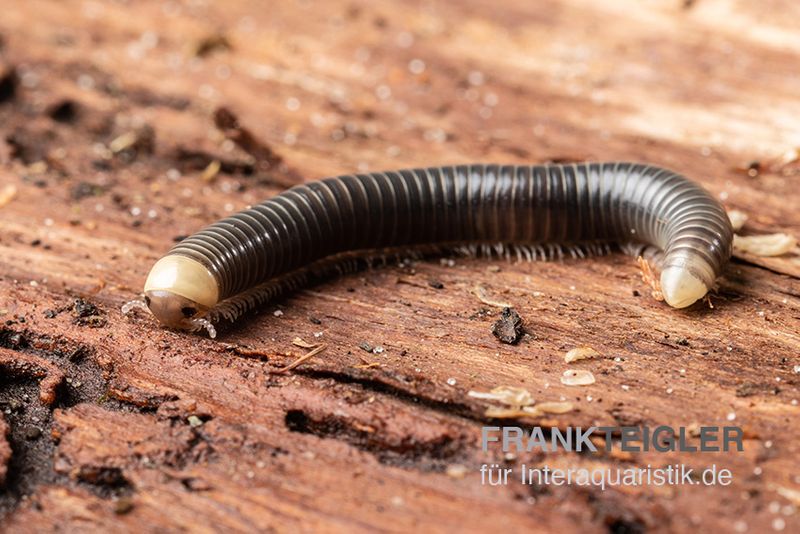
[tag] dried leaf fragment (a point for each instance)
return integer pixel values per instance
(124, 141)
(577, 377)
(300, 342)
(480, 292)
(765, 245)
(790, 494)
(299, 360)
(555, 407)
(7, 194)
(509, 395)
(456, 471)
(501, 412)
(581, 353)
(211, 170)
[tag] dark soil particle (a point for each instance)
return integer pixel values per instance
(63, 111)
(8, 85)
(87, 314)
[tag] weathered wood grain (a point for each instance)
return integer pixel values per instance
(153, 430)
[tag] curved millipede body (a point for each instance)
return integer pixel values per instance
(240, 261)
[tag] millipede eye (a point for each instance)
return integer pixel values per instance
(188, 311)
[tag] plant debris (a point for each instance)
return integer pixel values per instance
(480, 292)
(581, 353)
(510, 395)
(265, 157)
(764, 245)
(508, 328)
(87, 314)
(519, 403)
(299, 360)
(545, 408)
(123, 506)
(649, 277)
(211, 170)
(577, 377)
(212, 43)
(456, 471)
(299, 342)
(553, 407)
(7, 194)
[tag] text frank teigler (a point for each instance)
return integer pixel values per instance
(513, 440)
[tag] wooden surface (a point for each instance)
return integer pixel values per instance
(152, 430)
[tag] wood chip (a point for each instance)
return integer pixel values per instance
(500, 412)
(577, 377)
(299, 342)
(581, 353)
(555, 407)
(7, 194)
(790, 494)
(768, 245)
(480, 292)
(123, 142)
(510, 395)
(456, 471)
(211, 171)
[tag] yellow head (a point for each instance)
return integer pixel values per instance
(179, 291)
(685, 279)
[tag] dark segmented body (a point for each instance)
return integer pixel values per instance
(564, 204)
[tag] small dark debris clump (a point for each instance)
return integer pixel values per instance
(84, 309)
(436, 284)
(365, 346)
(50, 314)
(123, 505)
(8, 85)
(86, 189)
(87, 314)
(63, 111)
(748, 389)
(228, 123)
(210, 44)
(508, 329)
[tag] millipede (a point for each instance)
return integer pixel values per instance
(533, 212)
